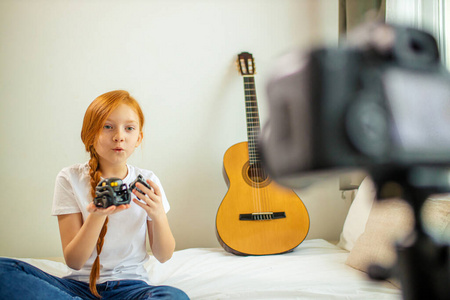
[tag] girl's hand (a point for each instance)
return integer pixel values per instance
(151, 201)
(91, 208)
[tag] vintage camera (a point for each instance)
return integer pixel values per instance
(111, 191)
(139, 179)
(380, 103)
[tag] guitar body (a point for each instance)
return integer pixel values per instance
(257, 216)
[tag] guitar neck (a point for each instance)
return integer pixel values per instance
(253, 126)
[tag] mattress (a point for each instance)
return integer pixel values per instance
(314, 270)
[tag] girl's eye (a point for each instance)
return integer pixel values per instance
(130, 128)
(107, 126)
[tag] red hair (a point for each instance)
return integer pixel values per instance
(94, 119)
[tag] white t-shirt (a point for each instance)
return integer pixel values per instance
(124, 250)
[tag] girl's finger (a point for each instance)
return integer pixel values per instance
(144, 206)
(154, 186)
(123, 207)
(141, 196)
(111, 208)
(144, 189)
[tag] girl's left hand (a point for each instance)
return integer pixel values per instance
(151, 201)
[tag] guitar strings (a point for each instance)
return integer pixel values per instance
(252, 174)
(258, 173)
(259, 169)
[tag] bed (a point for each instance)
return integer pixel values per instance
(314, 270)
(317, 269)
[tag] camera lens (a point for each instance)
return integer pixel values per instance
(367, 126)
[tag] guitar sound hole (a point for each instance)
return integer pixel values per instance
(257, 174)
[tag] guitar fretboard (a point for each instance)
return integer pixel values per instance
(253, 127)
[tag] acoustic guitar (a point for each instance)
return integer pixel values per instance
(257, 216)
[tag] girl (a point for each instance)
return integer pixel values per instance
(104, 247)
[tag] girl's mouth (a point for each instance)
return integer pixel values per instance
(118, 149)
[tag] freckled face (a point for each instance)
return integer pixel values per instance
(119, 137)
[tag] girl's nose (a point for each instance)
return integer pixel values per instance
(118, 137)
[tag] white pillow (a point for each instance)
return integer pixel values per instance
(389, 221)
(358, 214)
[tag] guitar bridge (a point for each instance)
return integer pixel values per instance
(260, 216)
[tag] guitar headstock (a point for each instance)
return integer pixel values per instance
(246, 64)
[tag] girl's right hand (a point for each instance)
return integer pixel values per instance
(91, 208)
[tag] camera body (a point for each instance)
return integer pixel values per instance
(380, 103)
(111, 191)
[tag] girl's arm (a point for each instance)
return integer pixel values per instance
(161, 239)
(79, 239)
(160, 236)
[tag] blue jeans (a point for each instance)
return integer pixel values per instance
(19, 280)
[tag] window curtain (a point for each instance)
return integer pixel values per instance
(427, 15)
(354, 12)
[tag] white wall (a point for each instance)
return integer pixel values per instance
(176, 58)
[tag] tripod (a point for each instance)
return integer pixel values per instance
(423, 264)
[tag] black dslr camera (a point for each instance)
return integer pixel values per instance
(379, 104)
(111, 191)
(382, 103)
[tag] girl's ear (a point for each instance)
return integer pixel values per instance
(139, 141)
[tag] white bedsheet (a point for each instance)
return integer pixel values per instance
(314, 270)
